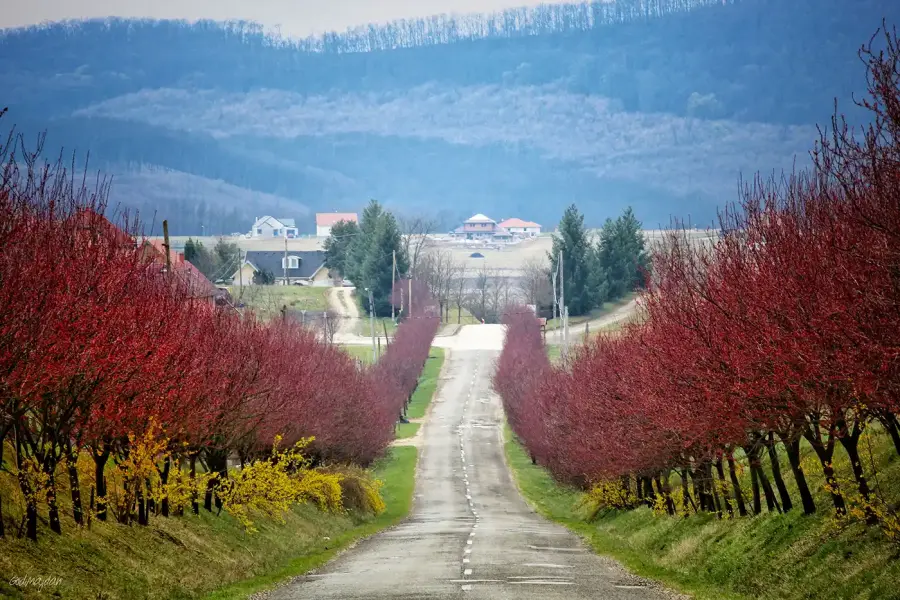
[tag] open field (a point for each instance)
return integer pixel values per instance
(195, 556)
(267, 300)
(787, 556)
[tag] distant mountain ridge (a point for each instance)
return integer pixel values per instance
(656, 104)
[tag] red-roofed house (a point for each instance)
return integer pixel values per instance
(521, 228)
(196, 282)
(324, 221)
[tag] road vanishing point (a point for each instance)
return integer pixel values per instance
(469, 534)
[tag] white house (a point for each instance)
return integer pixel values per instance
(521, 228)
(324, 221)
(269, 227)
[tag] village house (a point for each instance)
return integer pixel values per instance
(302, 267)
(270, 227)
(325, 221)
(520, 228)
(195, 282)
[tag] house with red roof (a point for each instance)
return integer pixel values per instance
(325, 221)
(520, 228)
(195, 282)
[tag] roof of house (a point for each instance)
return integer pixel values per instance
(310, 262)
(518, 223)
(197, 283)
(329, 219)
(480, 218)
(275, 222)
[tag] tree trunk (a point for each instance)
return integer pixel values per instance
(687, 500)
(760, 480)
(786, 503)
(164, 480)
(31, 520)
(792, 447)
(2, 528)
(669, 499)
(754, 482)
(720, 471)
(736, 486)
(52, 506)
(825, 451)
(195, 504)
(141, 503)
(74, 484)
(850, 442)
(100, 460)
(664, 492)
(889, 420)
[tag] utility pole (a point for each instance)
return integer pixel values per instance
(563, 311)
(410, 298)
(553, 277)
(240, 274)
(285, 261)
(325, 327)
(393, 280)
(372, 323)
(167, 247)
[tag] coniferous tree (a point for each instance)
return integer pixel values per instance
(339, 246)
(578, 263)
(622, 259)
(378, 264)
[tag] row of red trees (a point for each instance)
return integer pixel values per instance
(97, 342)
(787, 328)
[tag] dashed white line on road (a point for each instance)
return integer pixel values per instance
(539, 582)
(548, 565)
(467, 572)
(551, 549)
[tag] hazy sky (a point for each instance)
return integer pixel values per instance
(296, 17)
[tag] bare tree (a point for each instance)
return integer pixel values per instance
(458, 290)
(478, 298)
(415, 232)
(500, 295)
(437, 268)
(534, 285)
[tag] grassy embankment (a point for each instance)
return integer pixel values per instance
(423, 394)
(787, 556)
(193, 556)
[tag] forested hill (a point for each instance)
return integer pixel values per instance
(656, 104)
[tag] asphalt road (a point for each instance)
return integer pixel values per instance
(470, 534)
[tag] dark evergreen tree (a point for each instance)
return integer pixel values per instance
(227, 256)
(377, 267)
(578, 262)
(622, 256)
(197, 254)
(264, 277)
(339, 246)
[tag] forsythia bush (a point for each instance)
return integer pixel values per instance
(272, 486)
(606, 495)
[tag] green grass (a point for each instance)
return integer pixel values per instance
(554, 353)
(428, 381)
(364, 327)
(267, 300)
(362, 353)
(407, 430)
(193, 556)
(597, 313)
(788, 556)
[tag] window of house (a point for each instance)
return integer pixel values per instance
(259, 231)
(293, 262)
